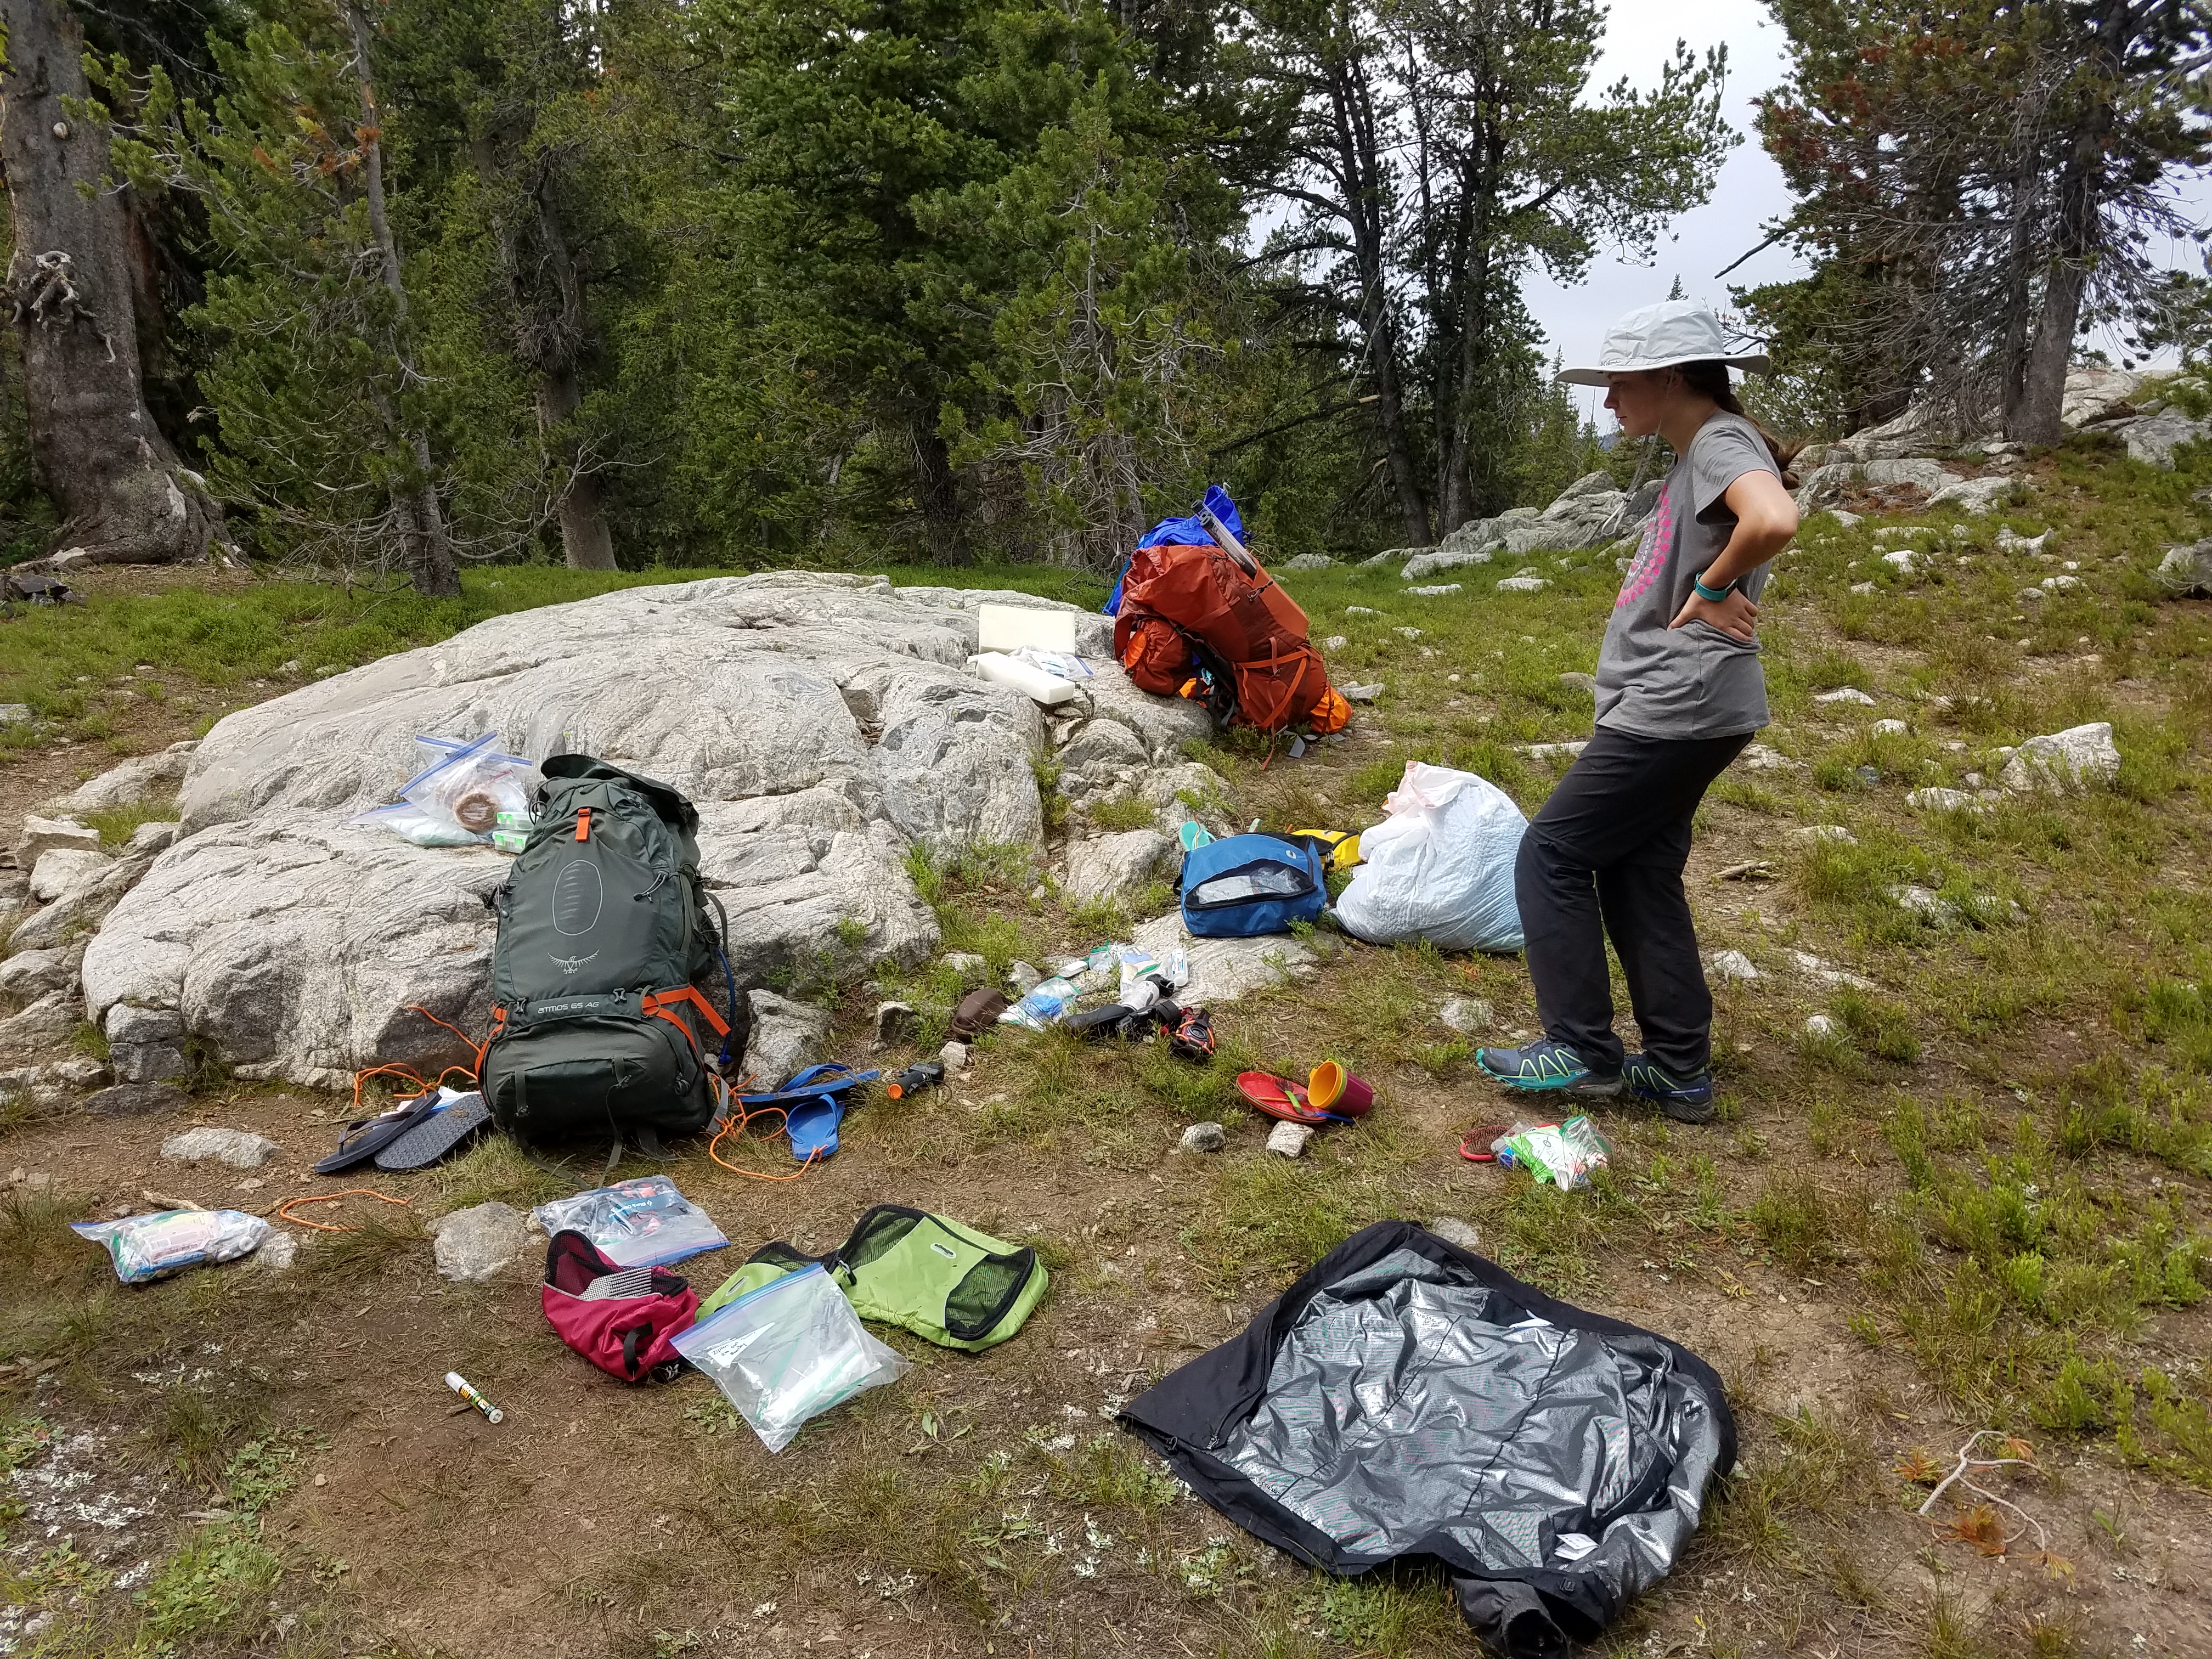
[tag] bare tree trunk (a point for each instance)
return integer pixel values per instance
(430, 564)
(125, 496)
(936, 491)
(585, 541)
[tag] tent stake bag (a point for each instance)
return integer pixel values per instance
(1242, 886)
(597, 1028)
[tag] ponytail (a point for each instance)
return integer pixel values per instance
(1709, 378)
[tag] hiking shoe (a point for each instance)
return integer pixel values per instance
(1545, 1064)
(1685, 1099)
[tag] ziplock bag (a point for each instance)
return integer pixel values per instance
(643, 1222)
(788, 1351)
(1561, 1153)
(459, 796)
(1044, 1004)
(144, 1246)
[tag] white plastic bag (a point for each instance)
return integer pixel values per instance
(642, 1222)
(1440, 867)
(1045, 1004)
(144, 1246)
(788, 1351)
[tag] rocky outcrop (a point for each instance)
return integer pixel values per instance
(2187, 572)
(825, 726)
(2074, 758)
(1585, 513)
(1109, 867)
(142, 778)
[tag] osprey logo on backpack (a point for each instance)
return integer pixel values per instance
(573, 965)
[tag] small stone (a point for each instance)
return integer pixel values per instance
(278, 1251)
(1023, 977)
(1407, 633)
(149, 1062)
(13, 713)
(953, 1056)
(1586, 683)
(127, 1023)
(239, 1148)
(1361, 693)
(475, 1246)
(1843, 694)
(894, 1020)
(1037, 894)
(1889, 728)
(1453, 1231)
(1437, 590)
(1203, 1138)
(80, 1072)
(1308, 562)
(786, 1036)
(1901, 560)
(1943, 801)
(1835, 832)
(1821, 1028)
(1849, 520)
(60, 869)
(291, 667)
(1518, 585)
(1733, 965)
(154, 837)
(1288, 1138)
(43, 835)
(1924, 902)
(1469, 1016)
(1361, 609)
(966, 964)
(136, 1100)
(1334, 643)
(2076, 757)
(1861, 587)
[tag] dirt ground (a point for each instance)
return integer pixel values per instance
(986, 1504)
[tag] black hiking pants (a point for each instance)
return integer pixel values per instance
(1604, 857)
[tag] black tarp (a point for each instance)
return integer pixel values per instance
(1408, 1400)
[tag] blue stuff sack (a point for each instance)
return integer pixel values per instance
(1245, 885)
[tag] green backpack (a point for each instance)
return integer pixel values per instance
(597, 1028)
(946, 1283)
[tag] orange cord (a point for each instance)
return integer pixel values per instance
(285, 1210)
(737, 1119)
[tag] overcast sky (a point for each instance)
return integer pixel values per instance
(1639, 38)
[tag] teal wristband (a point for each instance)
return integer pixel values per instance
(1711, 595)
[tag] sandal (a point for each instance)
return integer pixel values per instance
(364, 1138)
(425, 1141)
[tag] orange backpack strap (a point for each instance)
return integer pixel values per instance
(658, 1004)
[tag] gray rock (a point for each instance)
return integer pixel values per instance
(1361, 609)
(1309, 562)
(1555, 752)
(149, 1062)
(15, 714)
(2079, 757)
(51, 1019)
(64, 869)
(1523, 584)
(1428, 564)
(1844, 693)
(34, 973)
(1202, 1138)
(475, 1246)
(1434, 591)
(1732, 965)
(1102, 753)
(1453, 1231)
(1469, 1016)
(154, 837)
(1943, 801)
(1976, 495)
(953, 1056)
(277, 1252)
(1223, 969)
(2154, 438)
(1289, 1140)
(895, 1021)
(136, 1100)
(1107, 866)
(786, 1036)
(1361, 693)
(2187, 572)
(966, 964)
(1334, 643)
(1924, 902)
(1821, 1029)
(242, 1149)
(127, 1024)
(2092, 395)
(43, 835)
(79, 1071)
(1389, 555)
(1585, 683)
(1023, 978)
(145, 777)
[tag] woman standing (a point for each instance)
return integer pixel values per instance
(1679, 692)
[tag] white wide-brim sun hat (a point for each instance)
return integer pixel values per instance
(1673, 331)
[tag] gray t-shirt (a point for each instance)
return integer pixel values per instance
(1692, 681)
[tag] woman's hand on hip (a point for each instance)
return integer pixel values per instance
(1734, 616)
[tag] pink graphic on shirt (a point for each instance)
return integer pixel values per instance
(1652, 554)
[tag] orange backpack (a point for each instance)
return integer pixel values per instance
(1247, 635)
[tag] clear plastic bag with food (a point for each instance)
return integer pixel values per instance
(641, 1223)
(471, 782)
(788, 1351)
(1561, 1153)
(146, 1247)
